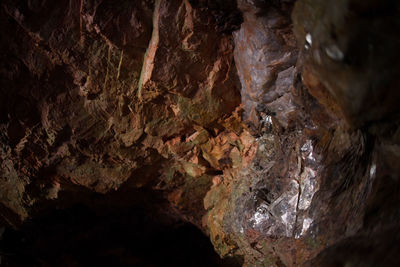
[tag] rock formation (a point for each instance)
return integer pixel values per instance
(272, 126)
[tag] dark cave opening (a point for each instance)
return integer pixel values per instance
(109, 230)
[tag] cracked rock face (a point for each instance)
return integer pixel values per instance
(272, 126)
(109, 93)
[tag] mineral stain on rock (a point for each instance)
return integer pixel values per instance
(142, 130)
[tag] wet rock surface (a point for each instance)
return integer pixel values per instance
(271, 126)
(315, 173)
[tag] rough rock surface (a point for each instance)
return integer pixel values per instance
(273, 126)
(112, 93)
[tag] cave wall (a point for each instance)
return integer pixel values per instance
(98, 93)
(273, 126)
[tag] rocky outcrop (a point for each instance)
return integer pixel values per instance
(354, 40)
(106, 90)
(265, 55)
(315, 171)
(271, 125)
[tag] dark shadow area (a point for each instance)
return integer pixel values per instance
(107, 230)
(377, 249)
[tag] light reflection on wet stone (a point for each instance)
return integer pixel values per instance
(306, 225)
(334, 52)
(284, 215)
(279, 217)
(308, 187)
(309, 38)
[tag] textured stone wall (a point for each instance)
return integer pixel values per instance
(273, 126)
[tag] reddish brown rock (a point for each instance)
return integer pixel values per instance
(83, 114)
(310, 171)
(265, 49)
(283, 151)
